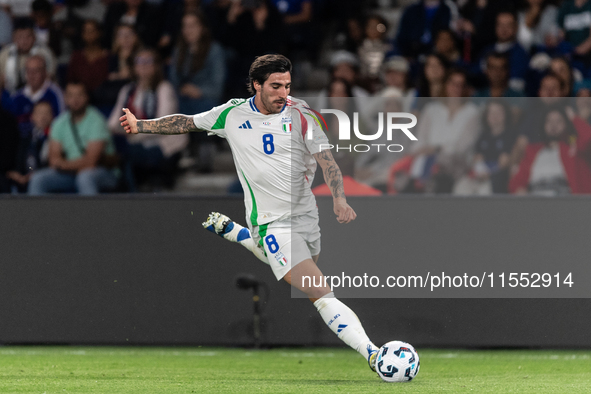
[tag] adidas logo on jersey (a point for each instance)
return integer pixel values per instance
(245, 125)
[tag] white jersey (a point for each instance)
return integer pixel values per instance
(272, 154)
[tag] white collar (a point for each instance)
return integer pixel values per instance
(34, 97)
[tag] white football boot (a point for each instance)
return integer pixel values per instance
(223, 226)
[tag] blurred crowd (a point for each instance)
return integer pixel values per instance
(500, 88)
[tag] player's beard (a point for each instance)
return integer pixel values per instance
(272, 106)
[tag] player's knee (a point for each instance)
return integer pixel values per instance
(287, 277)
(315, 293)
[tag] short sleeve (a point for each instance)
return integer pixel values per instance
(312, 127)
(214, 120)
(58, 128)
(318, 141)
(97, 125)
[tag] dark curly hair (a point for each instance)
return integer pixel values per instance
(263, 66)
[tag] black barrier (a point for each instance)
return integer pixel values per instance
(141, 270)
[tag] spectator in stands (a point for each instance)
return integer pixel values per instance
(14, 56)
(33, 148)
(583, 102)
(246, 32)
(557, 164)
(173, 20)
(433, 76)
(153, 157)
(5, 28)
(53, 34)
(373, 50)
(419, 23)
(477, 24)
(300, 32)
(372, 167)
(536, 24)
(144, 17)
(497, 74)
(446, 133)
(560, 66)
(446, 44)
(198, 73)
(550, 93)
(395, 75)
(506, 33)
(491, 163)
(345, 65)
(125, 46)
(574, 18)
(8, 148)
(41, 15)
(90, 65)
(583, 88)
(80, 150)
(552, 88)
(349, 35)
(198, 66)
(38, 88)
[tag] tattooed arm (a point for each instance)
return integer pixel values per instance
(172, 124)
(334, 179)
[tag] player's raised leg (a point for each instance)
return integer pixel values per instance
(225, 227)
(307, 277)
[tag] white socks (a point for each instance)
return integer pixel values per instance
(337, 316)
(249, 244)
(345, 323)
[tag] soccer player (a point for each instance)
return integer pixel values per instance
(276, 141)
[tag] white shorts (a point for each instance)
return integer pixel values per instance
(289, 242)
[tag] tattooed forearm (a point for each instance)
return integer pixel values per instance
(332, 173)
(173, 124)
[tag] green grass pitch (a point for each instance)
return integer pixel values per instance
(305, 370)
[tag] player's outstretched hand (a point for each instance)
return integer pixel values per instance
(128, 122)
(344, 212)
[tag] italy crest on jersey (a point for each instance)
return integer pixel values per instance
(286, 124)
(281, 259)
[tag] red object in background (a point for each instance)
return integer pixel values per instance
(401, 166)
(576, 167)
(352, 188)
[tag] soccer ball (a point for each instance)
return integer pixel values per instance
(397, 361)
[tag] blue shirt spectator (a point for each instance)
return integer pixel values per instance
(497, 74)
(38, 88)
(418, 26)
(506, 31)
(6, 101)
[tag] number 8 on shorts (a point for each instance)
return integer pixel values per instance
(272, 243)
